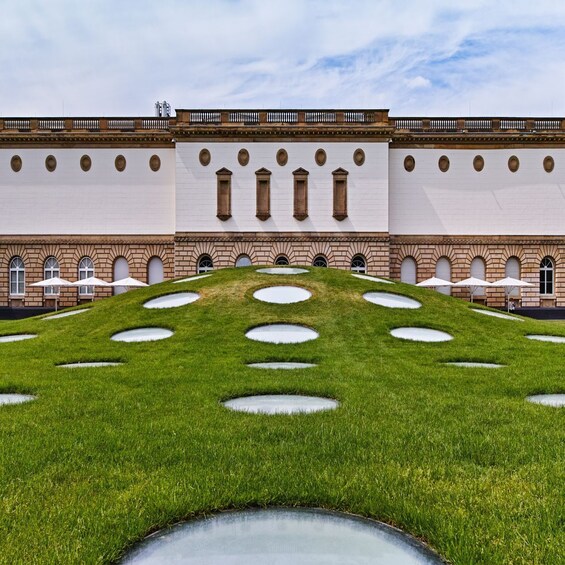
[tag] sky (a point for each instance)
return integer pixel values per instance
(414, 57)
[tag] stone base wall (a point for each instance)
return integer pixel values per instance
(495, 251)
(264, 248)
(68, 251)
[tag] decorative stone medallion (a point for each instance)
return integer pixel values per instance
(513, 163)
(120, 163)
(359, 157)
(50, 163)
(243, 157)
(548, 164)
(282, 157)
(443, 163)
(85, 163)
(320, 157)
(16, 163)
(204, 157)
(409, 163)
(155, 163)
(478, 163)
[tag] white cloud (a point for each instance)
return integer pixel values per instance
(439, 57)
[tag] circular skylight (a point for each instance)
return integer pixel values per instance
(172, 300)
(283, 536)
(421, 334)
(554, 400)
(142, 334)
(389, 300)
(282, 333)
(282, 294)
(16, 337)
(497, 315)
(282, 271)
(281, 404)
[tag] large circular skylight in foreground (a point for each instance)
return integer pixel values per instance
(16, 337)
(282, 271)
(142, 334)
(14, 398)
(281, 333)
(172, 300)
(370, 278)
(284, 365)
(389, 300)
(280, 404)
(421, 334)
(554, 400)
(282, 294)
(66, 314)
(281, 536)
(497, 315)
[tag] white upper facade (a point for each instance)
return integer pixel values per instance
(367, 187)
(101, 201)
(463, 201)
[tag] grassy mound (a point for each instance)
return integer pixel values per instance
(452, 455)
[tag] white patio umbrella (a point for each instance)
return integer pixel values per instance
(128, 282)
(91, 281)
(473, 283)
(434, 282)
(55, 282)
(509, 285)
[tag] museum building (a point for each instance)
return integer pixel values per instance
(405, 198)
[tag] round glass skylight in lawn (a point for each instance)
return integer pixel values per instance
(281, 404)
(551, 338)
(16, 337)
(553, 400)
(282, 333)
(282, 294)
(282, 271)
(195, 278)
(421, 334)
(90, 364)
(142, 334)
(497, 315)
(285, 365)
(14, 398)
(66, 314)
(389, 300)
(473, 364)
(283, 536)
(172, 300)
(370, 278)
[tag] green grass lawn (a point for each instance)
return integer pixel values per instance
(454, 456)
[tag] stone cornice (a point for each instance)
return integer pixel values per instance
(475, 239)
(86, 139)
(95, 239)
(199, 237)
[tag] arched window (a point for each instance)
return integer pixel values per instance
(478, 270)
(85, 271)
(243, 261)
(50, 270)
(546, 275)
(205, 264)
(320, 261)
(155, 271)
(17, 276)
(282, 260)
(121, 271)
(513, 270)
(358, 264)
(408, 270)
(443, 271)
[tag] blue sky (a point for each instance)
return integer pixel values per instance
(416, 57)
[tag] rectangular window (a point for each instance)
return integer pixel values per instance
(263, 194)
(224, 194)
(300, 194)
(340, 194)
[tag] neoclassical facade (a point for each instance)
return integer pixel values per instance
(406, 198)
